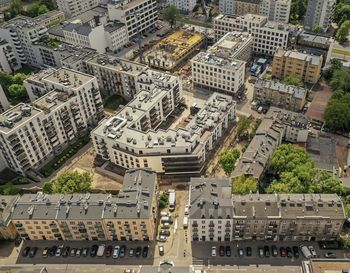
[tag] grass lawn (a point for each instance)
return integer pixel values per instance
(341, 51)
(112, 103)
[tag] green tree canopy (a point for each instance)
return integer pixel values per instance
(170, 13)
(72, 182)
(47, 188)
(243, 125)
(18, 78)
(5, 79)
(17, 91)
(244, 185)
(343, 32)
(317, 29)
(293, 81)
(334, 65)
(341, 12)
(228, 160)
(297, 10)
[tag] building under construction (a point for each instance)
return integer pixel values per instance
(173, 51)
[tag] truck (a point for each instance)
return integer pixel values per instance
(185, 222)
(172, 200)
(101, 250)
(306, 252)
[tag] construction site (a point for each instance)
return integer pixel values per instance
(170, 53)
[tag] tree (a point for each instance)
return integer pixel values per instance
(341, 12)
(170, 13)
(10, 189)
(16, 7)
(347, 210)
(337, 115)
(244, 185)
(42, 9)
(5, 79)
(17, 91)
(317, 29)
(334, 65)
(243, 125)
(47, 188)
(343, 32)
(228, 160)
(293, 81)
(72, 182)
(297, 10)
(18, 78)
(163, 200)
(326, 183)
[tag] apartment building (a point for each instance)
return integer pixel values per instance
(49, 18)
(134, 138)
(4, 103)
(222, 67)
(173, 51)
(30, 135)
(137, 15)
(7, 229)
(275, 10)
(217, 215)
(239, 7)
(130, 215)
(319, 12)
(76, 7)
(305, 67)
(8, 60)
(35, 84)
(183, 5)
(278, 125)
(267, 36)
(281, 95)
(116, 35)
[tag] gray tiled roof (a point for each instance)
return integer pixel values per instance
(82, 29)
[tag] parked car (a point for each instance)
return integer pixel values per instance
(45, 252)
(164, 233)
(85, 252)
(33, 251)
(261, 252)
(283, 252)
(274, 251)
(65, 251)
(161, 250)
(213, 251)
(222, 251)
(330, 255)
(289, 252)
(131, 252)
(109, 250)
(138, 251)
(161, 238)
(228, 251)
(122, 251)
(72, 252)
(25, 251)
(59, 251)
(248, 251)
(266, 251)
(145, 251)
(306, 251)
(78, 253)
(295, 252)
(240, 252)
(115, 254)
(313, 251)
(93, 251)
(52, 251)
(18, 241)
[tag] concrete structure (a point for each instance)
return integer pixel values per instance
(137, 15)
(325, 266)
(76, 7)
(217, 215)
(222, 67)
(32, 134)
(267, 36)
(275, 10)
(183, 5)
(239, 7)
(319, 12)
(8, 61)
(7, 229)
(171, 52)
(303, 66)
(277, 94)
(130, 215)
(4, 103)
(278, 125)
(132, 138)
(49, 18)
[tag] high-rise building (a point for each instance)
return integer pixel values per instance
(319, 12)
(275, 10)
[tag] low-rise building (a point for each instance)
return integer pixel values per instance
(116, 35)
(217, 215)
(8, 61)
(130, 215)
(281, 95)
(30, 135)
(222, 67)
(171, 52)
(132, 138)
(77, 7)
(275, 10)
(303, 66)
(7, 229)
(183, 5)
(278, 125)
(239, 7)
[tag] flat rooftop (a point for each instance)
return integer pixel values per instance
(230, 44)
(6, 204)
(52, 100)
(209, 58)
(326, 266)
(296, 92)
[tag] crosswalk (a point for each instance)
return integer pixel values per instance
(198, 261)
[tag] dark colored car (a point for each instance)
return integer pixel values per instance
(222, 251)
(164, 232)
(109, 251)
(249, 251)
(122, 251)
(33, 251)
(18, 241)
(65, 251)
(52, 251)
(289, 252)
(25, 251)
(145, 251)
(274, 251)
(283, 252)
(295, 251)
(138, 251)
(228, 251)
(93, 251)
(266, 251)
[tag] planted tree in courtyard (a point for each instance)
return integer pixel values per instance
(170, 13)
(244, 185)
(72, 182)
(228, 160)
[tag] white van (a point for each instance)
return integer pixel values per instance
(185, 222)
(101, 250)
(306, 252)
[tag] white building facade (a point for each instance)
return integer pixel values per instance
(183, 5)
(275, 10)
(76, 7)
